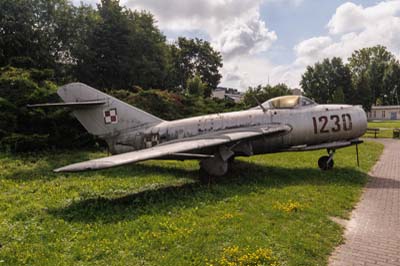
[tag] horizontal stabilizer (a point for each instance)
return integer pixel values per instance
(68, 104)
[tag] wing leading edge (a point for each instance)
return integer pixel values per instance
(177, 146)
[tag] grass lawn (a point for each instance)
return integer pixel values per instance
(270, 210)
(386, 128)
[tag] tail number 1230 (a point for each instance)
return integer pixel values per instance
(339, 123)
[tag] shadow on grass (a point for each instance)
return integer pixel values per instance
(40, 167)
(143, 169)
(244, 178)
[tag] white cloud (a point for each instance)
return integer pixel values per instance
(309, 51)
(233, 26)
(189, 15)
(352, 27)
(246, 35)
(350, 17)
(356, 29)
(286, 2)
(252, 71)
(242, 72)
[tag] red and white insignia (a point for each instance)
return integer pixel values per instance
(110, 116)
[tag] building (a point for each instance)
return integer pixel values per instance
(297, 91)
(229, 94)
(389, 112)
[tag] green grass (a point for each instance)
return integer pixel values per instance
(156, 213)
(386, 128)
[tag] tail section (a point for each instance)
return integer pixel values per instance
(105, 120)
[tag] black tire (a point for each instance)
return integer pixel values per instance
(323, 163)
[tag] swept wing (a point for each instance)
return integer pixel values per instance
(177, 146)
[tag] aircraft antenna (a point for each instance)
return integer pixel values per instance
(259, 104)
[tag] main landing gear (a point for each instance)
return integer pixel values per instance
(326, 162)
(214, 167)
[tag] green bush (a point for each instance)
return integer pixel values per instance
(8, 117)
(23, 129)
(24, 143)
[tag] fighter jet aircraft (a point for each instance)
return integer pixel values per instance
(287, 123)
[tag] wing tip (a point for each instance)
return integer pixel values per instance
(63, 170)
(84, 166)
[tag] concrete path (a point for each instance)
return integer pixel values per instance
(372, 235)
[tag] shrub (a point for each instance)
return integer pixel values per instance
(24, 143)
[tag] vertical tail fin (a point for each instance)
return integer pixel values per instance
(106, 120)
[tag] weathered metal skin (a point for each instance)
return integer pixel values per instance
(301, 121)
(288, 123)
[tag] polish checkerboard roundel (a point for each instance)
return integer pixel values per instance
(110, 116)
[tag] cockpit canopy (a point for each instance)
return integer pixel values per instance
(288, 102)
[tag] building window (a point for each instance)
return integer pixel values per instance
(383, 114)
(374, 114)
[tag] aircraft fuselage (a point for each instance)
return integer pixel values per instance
(310, 125)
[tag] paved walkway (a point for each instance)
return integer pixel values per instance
(372, 235)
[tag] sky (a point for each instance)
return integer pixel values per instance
(273, 41)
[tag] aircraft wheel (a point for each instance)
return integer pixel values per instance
(211, 168)
(323, 163)
(214, 166)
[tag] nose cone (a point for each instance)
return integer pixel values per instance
(362, 122)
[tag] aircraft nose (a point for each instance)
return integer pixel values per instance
(362, 119)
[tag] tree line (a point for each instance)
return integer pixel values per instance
(370, 77)
(45, 43)
(110, 47)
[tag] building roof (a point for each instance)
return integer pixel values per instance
(384, 107)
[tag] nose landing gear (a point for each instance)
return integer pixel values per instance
(326, 162)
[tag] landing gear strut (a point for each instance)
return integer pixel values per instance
(326, 162)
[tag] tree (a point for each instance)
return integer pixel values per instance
(391, 83)
(196, 57)
(327, 82)
(338, 96)
(23, 129)
(37, 33)
(123, 49)
(149, 52)
(262, 94)
(368, 67)
(44, 43)
(104, 58)
(195, 87)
